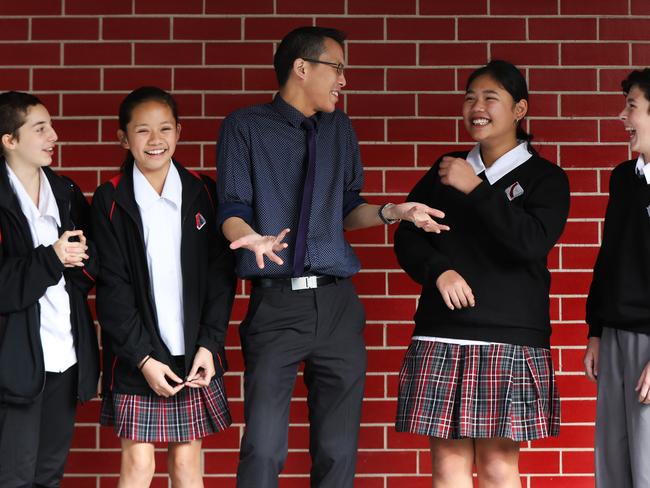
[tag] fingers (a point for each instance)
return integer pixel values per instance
(589, 367)
(281, 236)
(71, 233)
(434, 212)
(259, 258)
(447, 299)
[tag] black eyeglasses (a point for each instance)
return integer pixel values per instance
(339, 67)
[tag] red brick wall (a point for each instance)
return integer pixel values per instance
(408, 61)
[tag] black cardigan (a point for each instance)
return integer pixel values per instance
(125, 306)
(499, 246)
(25, 274)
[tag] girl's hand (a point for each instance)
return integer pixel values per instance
(263, 246)
(458, 173)
(643, 385)
(71, 253)
(156, 374)
(202, 369)
(454, 290)
(591, 358)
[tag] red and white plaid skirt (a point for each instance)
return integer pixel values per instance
(454, 391)
(191, 414)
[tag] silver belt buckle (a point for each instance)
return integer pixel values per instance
(304, 283)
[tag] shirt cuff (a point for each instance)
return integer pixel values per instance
(351, 200)
(234, 209)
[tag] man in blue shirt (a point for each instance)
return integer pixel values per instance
(294, 163)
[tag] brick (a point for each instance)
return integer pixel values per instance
(91, 104)
(30, 7)
(199, 129)
(420, 79)
(134, 28)
(168, 53)
(421, 28)
(441, 105)
(260, 79)
(640, 54)
(570, 282)
(572, 363)
(565, 130)
(577, 462)
(591, 105)
(562, 28)
(591, 156)
(356, 28)
(104, 53)
(385, 359)
(539, 461)
(373, 181)
(224, 104)
(369, 283)
(592, 54)
(88, 181)
(387, 155)
(387, 461)
(569, 335)
(555, 481)
(515, 7)
(383, 7)
(239, 53)
(630, 29)
(13, 29)
(402, 181)
(83, 7)
(640, 7)
(402, 284)
(496, 29)
(271, 28)
(65, 28)
(592, 206)
(23, 54)
(77, 130)
(579, 7)
(87, 155)
(381, 104)
(421, 130)
(168, 7)
(66, 79)
(580, 233)
(379, 54)
(203, 79)
(455, 54)
(573, 308)
(612, 131)
(610, 79)
(562, 79)
(302, 7)
(582, 180)
(128, 78)
(466, 7)
(207, 28)
(427, 154)
(14, 79)
(247, 7)
(579, 257)
(361, 79)
(377, 257)
(369, 129)
(526, 54)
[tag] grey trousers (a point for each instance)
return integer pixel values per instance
(622, 423)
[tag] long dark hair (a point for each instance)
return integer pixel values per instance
(135, 98)
(510, 78)
(14, 106)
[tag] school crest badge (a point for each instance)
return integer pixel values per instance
(200, 220)
(514, 190)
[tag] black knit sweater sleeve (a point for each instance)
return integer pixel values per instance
(525, 233)
(415, 249)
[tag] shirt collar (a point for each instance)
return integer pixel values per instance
(47, 206)
(643, 168)
(145, 195)
(291, 113)
(502, 166)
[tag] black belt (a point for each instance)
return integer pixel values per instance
(300, 283)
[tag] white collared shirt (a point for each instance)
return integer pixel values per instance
(56, 328)
(161, 223)
(502, 166)
(643, 168)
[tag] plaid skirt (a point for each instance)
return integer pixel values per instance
(456, 391)
(191, 414)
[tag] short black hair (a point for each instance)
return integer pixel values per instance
(303, 42)
(14, 106)
(640, 78)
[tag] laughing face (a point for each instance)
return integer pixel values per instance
(323, 84)
(35, 141)
(151, 136)
(490, 114)
(636, 119)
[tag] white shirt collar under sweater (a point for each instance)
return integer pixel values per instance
(643, 168)
(502, 166)
(146, 196)
(56, 328)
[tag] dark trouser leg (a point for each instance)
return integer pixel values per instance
(275, 337)
(335, 375)
(57, 426)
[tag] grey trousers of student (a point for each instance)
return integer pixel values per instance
(622, 423)
(35, 438)
(324, 328)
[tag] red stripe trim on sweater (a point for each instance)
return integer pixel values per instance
(90, 277)
(110, 215)
(113, 373)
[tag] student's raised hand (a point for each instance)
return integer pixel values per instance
(454, 290)
(643, 385)
(420, 214)
(156, 374)
(263, 246)
(70, 252)
(591, 358)
(202, 369)
(458, 173)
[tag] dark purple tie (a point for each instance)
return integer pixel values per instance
(305, 206)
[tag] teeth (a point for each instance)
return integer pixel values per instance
(335, 93)
(481, 121)
(155, 152)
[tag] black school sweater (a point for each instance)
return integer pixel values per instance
(620, 291)
(499, 246)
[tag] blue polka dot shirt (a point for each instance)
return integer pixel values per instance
(261, 164)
